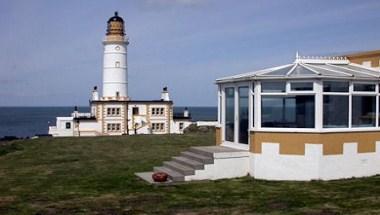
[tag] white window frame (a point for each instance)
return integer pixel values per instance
(235, 143)
(288, 92)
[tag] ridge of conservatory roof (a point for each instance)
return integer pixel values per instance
(310, 67)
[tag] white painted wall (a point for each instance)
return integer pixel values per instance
(313, 165)
(174, 128)
(115, 75)
(60, 129)
(226, 165)
(207, 123)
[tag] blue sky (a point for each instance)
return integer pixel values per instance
(51, 51)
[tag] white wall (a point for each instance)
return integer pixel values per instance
(226, 165)
(271, 165)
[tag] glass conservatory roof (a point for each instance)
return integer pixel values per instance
(310, 67)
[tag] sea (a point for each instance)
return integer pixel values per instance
(26, 122)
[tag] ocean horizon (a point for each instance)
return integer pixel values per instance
(22, 122)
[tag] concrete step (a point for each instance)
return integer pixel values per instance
(198, 157)
(185, 170)
(189, 162)
(173, 175)
(201, 151)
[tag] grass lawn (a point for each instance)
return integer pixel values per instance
(96, 176)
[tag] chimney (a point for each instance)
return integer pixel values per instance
(95, 94)
(165, 94)
(186, 112)
(75, 113)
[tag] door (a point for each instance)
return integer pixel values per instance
(236, 115)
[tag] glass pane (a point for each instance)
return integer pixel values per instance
(272, 86)
(300, 71)
(335, 111)
(335, 86)
(253, 111)
(364, 87)
(287, 112)
(279, 72)
(230, 114)
(305, 86)
(243, 115)
(363, 111)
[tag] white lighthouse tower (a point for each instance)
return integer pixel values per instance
(115, 76)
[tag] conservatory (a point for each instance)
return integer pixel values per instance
(316, 118)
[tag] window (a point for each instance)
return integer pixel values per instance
(113, 127)
(335, 111)
(243, 114)
(230, 114)
(273, 86)
(335, 105)
(180, 125)
(113, 111)
(68, 125)
(117, 64)
(365, 87)
(158, 127)
(301, 86)
(288, 111)
(335, 86)
(253, 105)
(363, 111)
(135, 111)
(157, 111)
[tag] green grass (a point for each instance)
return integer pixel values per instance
(96, 176)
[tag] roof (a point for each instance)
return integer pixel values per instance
(132, 101)
(309, 68)
(363, 53)
(181, 117)
(115, 18)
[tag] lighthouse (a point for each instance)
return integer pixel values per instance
(115, 71)
(114, 112)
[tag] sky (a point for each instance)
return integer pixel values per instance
(51, 51)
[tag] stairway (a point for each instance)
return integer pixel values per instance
(200, 163)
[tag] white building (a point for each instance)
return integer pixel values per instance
(317, 118)
(115, 113)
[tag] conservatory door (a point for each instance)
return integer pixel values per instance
(236, 117)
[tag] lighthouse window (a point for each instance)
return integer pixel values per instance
(180, 125)
(117, 64)
(68, 125)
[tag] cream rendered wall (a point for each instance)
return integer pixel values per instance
(142, 119)
(90, 128)
(113, 119)
(165, 118)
